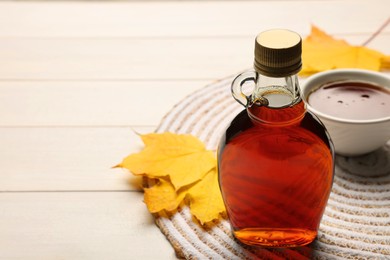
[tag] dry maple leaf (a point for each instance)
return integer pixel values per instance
(205, 198)
(183, 169)
(162, 196)
(181, 157)
(322, 52)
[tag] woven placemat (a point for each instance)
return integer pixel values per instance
(356, 222)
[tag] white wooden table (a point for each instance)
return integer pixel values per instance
(77, 79)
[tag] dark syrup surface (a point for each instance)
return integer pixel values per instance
(352, 100)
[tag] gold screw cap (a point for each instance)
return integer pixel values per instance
(278, 53)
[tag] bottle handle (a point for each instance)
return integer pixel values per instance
(237, 84)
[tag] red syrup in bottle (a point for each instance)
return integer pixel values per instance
(275, 161)
(276, 177)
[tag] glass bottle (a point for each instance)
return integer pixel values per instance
(276, 159)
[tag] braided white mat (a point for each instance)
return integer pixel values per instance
(356, 222)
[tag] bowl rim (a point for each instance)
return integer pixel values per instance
(340, 72)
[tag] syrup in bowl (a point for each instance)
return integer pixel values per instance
(351, 100)
(354, 106)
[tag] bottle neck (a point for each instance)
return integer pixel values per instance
(275, 92)
(276, 100)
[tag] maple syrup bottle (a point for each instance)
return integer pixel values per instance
(275, 160)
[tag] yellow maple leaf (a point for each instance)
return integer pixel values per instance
(185, 171)
(162, 196)
(205, 198)
(322, 52)
(181, 157)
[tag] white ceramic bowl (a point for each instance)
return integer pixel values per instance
(351, 137)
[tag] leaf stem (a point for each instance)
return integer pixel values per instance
(375, 34)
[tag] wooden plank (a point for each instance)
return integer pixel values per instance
(186, 18)
(85, 225)
(86, 103)
(136, 59)
(122, 59)
(66, 159)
